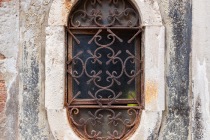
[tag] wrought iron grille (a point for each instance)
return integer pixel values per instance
(105, 69)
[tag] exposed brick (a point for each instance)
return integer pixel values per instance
(2, 84)
(1, 55)
(3, 95)
(4, 1)
(2, 106)
(1, 77)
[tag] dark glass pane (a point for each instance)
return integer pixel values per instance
(104, 85)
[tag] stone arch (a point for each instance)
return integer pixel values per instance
(153, 44)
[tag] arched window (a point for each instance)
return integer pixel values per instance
(105, 69)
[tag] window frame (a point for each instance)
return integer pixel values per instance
(139, 86)
(131, 107)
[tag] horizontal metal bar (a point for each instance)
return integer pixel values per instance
(88, 28)
(105, 107)
(103, 101)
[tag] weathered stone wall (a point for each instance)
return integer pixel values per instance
(9, 38)
(177, 18)
(22, 44)
(187, 70)
(33, 122)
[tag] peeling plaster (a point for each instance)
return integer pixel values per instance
(201, 102)
(201, 70)
(1, 1)
(8, 65)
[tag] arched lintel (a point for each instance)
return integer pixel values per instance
(153, 43)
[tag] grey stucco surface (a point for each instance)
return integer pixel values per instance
(177, 17)
(33, 122)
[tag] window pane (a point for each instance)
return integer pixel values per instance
(123, 67)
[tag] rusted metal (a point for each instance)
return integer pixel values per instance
(112, 118)
(102, 101)
(103, 13)
(106, 107)
(105, 20)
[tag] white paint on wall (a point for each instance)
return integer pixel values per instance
(201, 113)
(201, 67)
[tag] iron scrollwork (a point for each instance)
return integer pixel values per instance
(105, 16)
(94, 13)
(112, 118)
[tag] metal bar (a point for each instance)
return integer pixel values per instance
(78, 42)
(105, 28)
(129, 41)
(103, 101)
(105, 107)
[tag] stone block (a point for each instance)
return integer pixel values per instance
(149, 126)
(59, 12)
(149, 12)
(55, 67)
(61, 129)
(154, 68)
